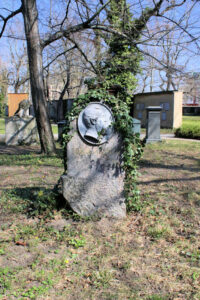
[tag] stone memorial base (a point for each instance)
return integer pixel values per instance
(153, 124)
(21, 131)
(94, 182)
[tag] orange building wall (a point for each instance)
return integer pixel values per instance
(13, 102)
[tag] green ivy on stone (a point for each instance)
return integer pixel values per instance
(132, 146)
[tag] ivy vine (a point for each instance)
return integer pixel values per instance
(132, 147)
(117, 68)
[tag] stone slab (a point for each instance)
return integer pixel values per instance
(21, 131)
(153, 124)
(94, 183)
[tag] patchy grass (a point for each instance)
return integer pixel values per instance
(2, 126)
(27, 159)
(48, 253)
(54, 128)
(191, 120)
(162, 130)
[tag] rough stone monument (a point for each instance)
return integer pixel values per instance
(21, 129)
(93, 184)
(23, 109)
(153, 124)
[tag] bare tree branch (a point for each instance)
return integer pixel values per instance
(5, 20)
(83, 54)
(158, 60)
(60, 54)
(193, 39)
(82, 26)
(142, 21)
(66, 13)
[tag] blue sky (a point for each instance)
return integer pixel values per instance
(17, 25)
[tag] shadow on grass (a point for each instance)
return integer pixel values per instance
(24, 149)
(39, 202)
(181, 156)
(33, 201)
(169, 180)
(144, 163)
(31, 159)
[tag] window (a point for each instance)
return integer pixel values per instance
(140, 106)
(164, 116)
(140, 115)
(164, 105)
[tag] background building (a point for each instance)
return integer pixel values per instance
(170, 101)
(14, 100)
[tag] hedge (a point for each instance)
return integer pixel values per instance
(188, 132)
(2, 109)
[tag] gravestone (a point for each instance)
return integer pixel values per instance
(136, 126)
(21, 131)
(23, 109)
(153, 124)
(93, 184)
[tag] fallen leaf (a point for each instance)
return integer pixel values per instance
(19, 243)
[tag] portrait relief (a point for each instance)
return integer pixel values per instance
(95, 123)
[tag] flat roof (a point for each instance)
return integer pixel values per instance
(17, 93)
(155, 93)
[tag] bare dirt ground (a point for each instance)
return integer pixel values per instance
(47, 253)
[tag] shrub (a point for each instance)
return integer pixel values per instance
(2, 109)
(189, 132)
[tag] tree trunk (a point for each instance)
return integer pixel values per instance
(34, 49)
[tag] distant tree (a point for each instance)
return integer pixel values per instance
(18, 68)
(190, 85)
(168, 49)
(3, 89)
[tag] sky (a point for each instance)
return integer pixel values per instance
(16, 25)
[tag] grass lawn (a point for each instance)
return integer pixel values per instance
(187, 121)
(2, 126)
(48, 253)
(54, 128)
(191, 120)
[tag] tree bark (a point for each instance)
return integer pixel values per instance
(30, 14)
